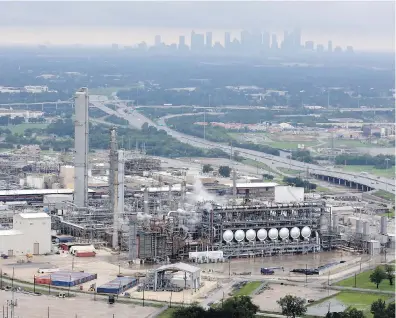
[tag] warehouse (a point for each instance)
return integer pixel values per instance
(65, 278)
(31, 234)
(117, 286)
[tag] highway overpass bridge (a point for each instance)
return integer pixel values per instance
(362, 182)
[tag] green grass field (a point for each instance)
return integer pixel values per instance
(360, 301)
(291, 171)
(260, 165)
(167, 313)
(20, 129)
(388, 173)
(248, 289)
(384, 195)
(363, 281)
(351, 143)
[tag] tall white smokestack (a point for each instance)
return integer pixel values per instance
(81, 148)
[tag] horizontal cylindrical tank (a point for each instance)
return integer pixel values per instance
(306, 232)
(262, 234)
(228, 236)
(284, 233)
(251, 235)
(239, 235)
(295, 233)
(273, 233)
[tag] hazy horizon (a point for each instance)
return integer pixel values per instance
(366, 25)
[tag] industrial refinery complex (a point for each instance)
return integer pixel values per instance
(148, 219)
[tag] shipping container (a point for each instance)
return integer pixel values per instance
(85, 254)
(118, 285)
(65, 279)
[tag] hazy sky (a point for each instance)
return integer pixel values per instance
(367, 25)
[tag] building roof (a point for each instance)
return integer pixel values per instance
(179, 267)
(38, 191)
(39, 215)
(9, 232)
(256, 185)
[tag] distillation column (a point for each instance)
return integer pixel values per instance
(81, 148)
(113, 185)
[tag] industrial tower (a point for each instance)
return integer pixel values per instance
(81, 149)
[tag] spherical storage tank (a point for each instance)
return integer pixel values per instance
(228, 236)
(251, 235)
(273, 233)
(284, 233)
(239, 235)
(295, 232)
(306, 232)
(262, 234)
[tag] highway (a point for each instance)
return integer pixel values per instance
(136, 120)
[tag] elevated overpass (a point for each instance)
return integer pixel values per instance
(362, 182)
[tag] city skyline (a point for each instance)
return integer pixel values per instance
(366, 25)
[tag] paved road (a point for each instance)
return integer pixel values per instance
(136, 120)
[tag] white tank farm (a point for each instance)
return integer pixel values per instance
(295, 233)
(306, 232)
(262, 234)
(251, 235)
(273, 233)
(239, 235)
(228, 236)
(284, 233)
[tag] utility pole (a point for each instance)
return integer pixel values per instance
(355, 280)
(229, 266)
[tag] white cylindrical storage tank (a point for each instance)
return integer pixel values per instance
(359, 227)
(384, 225)
(366, 228)
(228, 236)
(262, 234)
(295, 233)
(306, 232)
(251, 235)
(273, 233)
(239, 235)
(284, 233)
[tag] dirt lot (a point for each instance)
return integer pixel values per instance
(267, 301)
(81, 307)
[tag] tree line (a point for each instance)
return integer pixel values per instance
(379, 161)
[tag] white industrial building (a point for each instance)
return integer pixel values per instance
(31, 234)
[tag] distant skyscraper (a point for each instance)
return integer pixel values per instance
(338, 49)
(209, 43)
(320, 48)
(349, 49)
(157, 40)
(114, 46)
(227, 40)
(197, 41)
(297, 39)
(274, 42)
(330, 46)
(182, 40)
(286, 41)
(309, 45)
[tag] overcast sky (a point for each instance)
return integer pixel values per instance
(364, 24)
